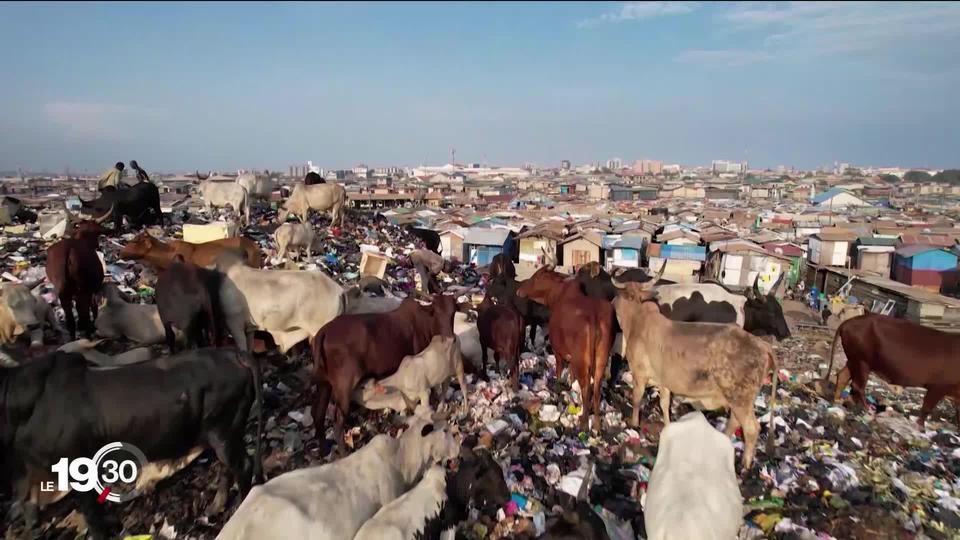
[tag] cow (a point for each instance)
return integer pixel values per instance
(441, 500)
(469, 337)
(351, 348)
(258, 187)
(312, 179)
(430, 239)
(759, 314)
(296, 236)
(693, 490)
(54, 408)
(357, 302)
(501, 329)
(159, 254)
(188, 300)
(535, 315)
(139, 203)
(222, 194)
(903, 353)
(428, 369)
(319, 197)
(501, 264)
(76, 273)
(581, 332)
(719, 365)
(139, 323)
(88, 349)
(291, 305)
(12, 208)
(23, 311)
(428, 264)
(332, 501)
(598, 283)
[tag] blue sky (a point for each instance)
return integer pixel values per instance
(231, 85)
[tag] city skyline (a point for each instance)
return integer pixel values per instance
(263, 86)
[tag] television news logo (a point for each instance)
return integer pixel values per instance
(112, 473)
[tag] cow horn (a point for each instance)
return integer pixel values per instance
(106, 216)
(756, 285)
(617, 284)
(663, 268)
(774, 291)
(549, 267)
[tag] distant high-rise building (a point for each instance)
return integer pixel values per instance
(719, 166)
(565, 164)
(614, 164)
(648, 166)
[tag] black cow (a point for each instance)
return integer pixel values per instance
(431, 239)
(535, 315)
(188, 298)
(57, 407)
(501, 264)
(313, 178)
(595, 282)
(139, 203)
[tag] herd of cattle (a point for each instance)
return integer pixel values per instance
(702, 342)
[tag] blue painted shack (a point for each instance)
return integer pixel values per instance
(482, 245)
(926, 266)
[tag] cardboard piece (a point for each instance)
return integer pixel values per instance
(199, 234)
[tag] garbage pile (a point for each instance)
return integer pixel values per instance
(836, 472)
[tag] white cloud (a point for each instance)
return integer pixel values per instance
(632, 11)
(726, 57)
(96, 120)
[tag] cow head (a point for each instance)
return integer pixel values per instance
(425, 442)
(595, 281)
(479, 480)
(763, 314)
(18, 312)
(542, 286)
(444, 307)
(139, 247)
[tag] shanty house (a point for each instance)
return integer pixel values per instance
(791, 251)
(481, 245)
(581, 248)
(830, 247)
(928, 267)
(624, 250)
(539, 244)
(838, 198)
(738, 263)
(684, 262)
(874, 254)
(451, 241)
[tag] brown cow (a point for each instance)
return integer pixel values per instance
(902, 353)
(160, 254)
(501, 329)
(718, 365)
(580, 331)
(76, 273)
(353, 347)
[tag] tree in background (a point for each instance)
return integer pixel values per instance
(890, 178)
(917, 176)
(949, 176)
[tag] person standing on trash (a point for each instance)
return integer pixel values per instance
(428, 264)
(112, 177)
(141, 174)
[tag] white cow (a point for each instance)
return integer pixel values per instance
(693, 491)
(296, 236)
(332, 501)
(222, 194)
(292, 305)
(469, 337)
(319, 197)
(258, 187)
(22, 311)
(430, 368)
(137, 322)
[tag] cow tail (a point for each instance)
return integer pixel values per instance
(254, 364)
(319, 359)
(833, 350)
(771, 435)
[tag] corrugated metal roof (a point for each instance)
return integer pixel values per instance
(910, 251)
(486, 237)
(877, 241)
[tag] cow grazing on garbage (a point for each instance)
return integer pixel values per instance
(258, 187)
(581, 332)
(159, 254)
(332, 501)
(294, 235)
(427, 264)
(223, 194)
(430, 239)
(291, 305)
(901, 352)
(23, 311)
(535, 315)
(139, 323)
(76, 273)
(693, 490)
(188, 300)
(501, 329)
(319, 197)
(353, 347)
(139, 203)
(441, 500)
(718, 365)
(428, 369)
(56, 407)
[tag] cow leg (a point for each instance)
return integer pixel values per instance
(341, 395)
(483, 356)
(320, 409)
(66, 302)
(586, 395)
(843, 379)
(219, 446)
(732, 424)
(171, 337)
(639, 389)
(94, 516)
(751, 431)
(239, 331)
(665, 404)
(859, 372)
(930, 400)
(83, 313)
